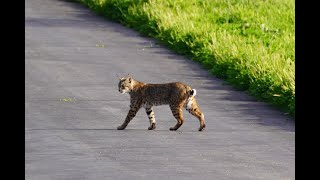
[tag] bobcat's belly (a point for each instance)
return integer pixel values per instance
(150, 103)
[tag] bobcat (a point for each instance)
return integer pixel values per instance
(175, 94)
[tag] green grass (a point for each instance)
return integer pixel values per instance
(250, 44)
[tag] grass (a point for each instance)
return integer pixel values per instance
(250, 44)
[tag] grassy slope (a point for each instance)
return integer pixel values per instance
(248, 43)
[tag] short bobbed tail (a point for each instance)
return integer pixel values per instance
(193, 92)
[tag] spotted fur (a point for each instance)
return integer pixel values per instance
(175, 94)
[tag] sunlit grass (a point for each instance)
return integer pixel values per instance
(248, 43)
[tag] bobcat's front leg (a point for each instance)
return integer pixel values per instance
(151, 117)
(131, 114)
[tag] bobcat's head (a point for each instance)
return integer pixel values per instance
(125, 84)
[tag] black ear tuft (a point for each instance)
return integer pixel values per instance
(119, 77)
(129, 79)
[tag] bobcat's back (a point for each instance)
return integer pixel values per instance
(159, 94)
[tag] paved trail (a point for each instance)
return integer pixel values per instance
(72, 108)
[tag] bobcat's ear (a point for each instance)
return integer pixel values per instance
(129, 78)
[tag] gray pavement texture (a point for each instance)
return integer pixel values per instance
(72, 109)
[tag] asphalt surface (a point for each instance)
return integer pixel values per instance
(72, 109)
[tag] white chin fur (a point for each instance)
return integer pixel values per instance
(124, 91)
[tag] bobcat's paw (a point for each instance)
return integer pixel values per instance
(173, 129)
(121, 127)
(202, 128)
(152, 126)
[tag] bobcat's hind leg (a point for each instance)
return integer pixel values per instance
(151, 117)
(192, 107)
(177, 113)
